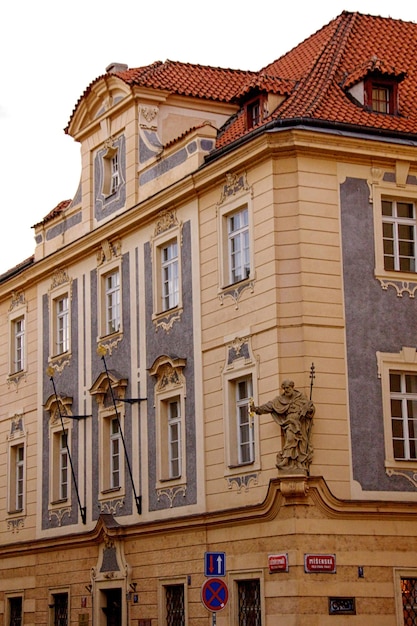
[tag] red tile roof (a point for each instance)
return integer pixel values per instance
(64, 204)
(313, 77)
(335, 58)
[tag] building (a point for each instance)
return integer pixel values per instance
(231, 230)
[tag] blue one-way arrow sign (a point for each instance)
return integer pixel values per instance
(214, 564)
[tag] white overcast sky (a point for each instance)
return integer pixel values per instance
(50, 52)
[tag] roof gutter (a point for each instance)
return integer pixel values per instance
(325, 126)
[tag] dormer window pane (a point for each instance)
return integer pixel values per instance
(381, 99)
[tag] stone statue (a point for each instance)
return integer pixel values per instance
(293, 411)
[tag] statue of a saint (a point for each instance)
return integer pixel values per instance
(293, 411)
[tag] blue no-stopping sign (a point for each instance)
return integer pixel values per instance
(214, 594)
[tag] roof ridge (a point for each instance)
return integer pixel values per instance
(326, 64)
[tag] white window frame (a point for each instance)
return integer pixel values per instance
(245, 438)
(167, 273)
(228, 236)
(17, 343)
(239, 370)
(238, 245)
(170, 436)
(115, 453)
(17, 476)
(62, 324)
(403, 362)
(60, 320)
(111, 171)
(110, 301)
(60, 470)
(170, 389)
(109, 439)
(396, 222)
(391, 192)
(64, 467)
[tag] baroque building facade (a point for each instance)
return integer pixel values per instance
(232, 230)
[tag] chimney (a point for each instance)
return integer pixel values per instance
(116, 67)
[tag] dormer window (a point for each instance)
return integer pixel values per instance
(381, 95)
(253, 111)
(111, 179)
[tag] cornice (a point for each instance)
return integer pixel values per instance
(289, 491)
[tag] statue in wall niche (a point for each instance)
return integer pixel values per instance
(294, 412)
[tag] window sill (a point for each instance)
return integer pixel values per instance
(57, 503)
(401, 465)
(111, 490)
(166, 319)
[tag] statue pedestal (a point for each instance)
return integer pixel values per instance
(294, 486)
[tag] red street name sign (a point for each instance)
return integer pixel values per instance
(278, 563)
(320, 563)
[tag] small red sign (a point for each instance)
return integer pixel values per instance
(278, 563)
(320, 563)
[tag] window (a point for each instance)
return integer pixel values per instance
(166, 247)
(238, 245)
(60, 466)
(239, 423)
(60, 609)
(115, 180)
(174, 437)
(399, 235)
(244, 421)
(110, 299)
(235, 250)
(409, 600)
(169, 278)
(18, 344)
(398, 374)
(61, 324)
(381, 95)
(17, 486)
(174, 605)
(380, 99)
(249, 602)
(253, 111)
(111, 458)
(63, 466)
(111, 171)
(115, 441)
(240, 427)
(171, 438)
(14, 611)
(403, 391)
(170, 392)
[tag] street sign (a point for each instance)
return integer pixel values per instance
(214, 594)
(320, 563)
(278, 563)
(214, 564)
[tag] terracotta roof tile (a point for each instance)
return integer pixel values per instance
(314, 77)
(335, 58)
(60, 208)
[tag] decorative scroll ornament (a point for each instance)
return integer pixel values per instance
(17, 299)
(235, 183)
(242, 482)
(171, 493)
(108, 251)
